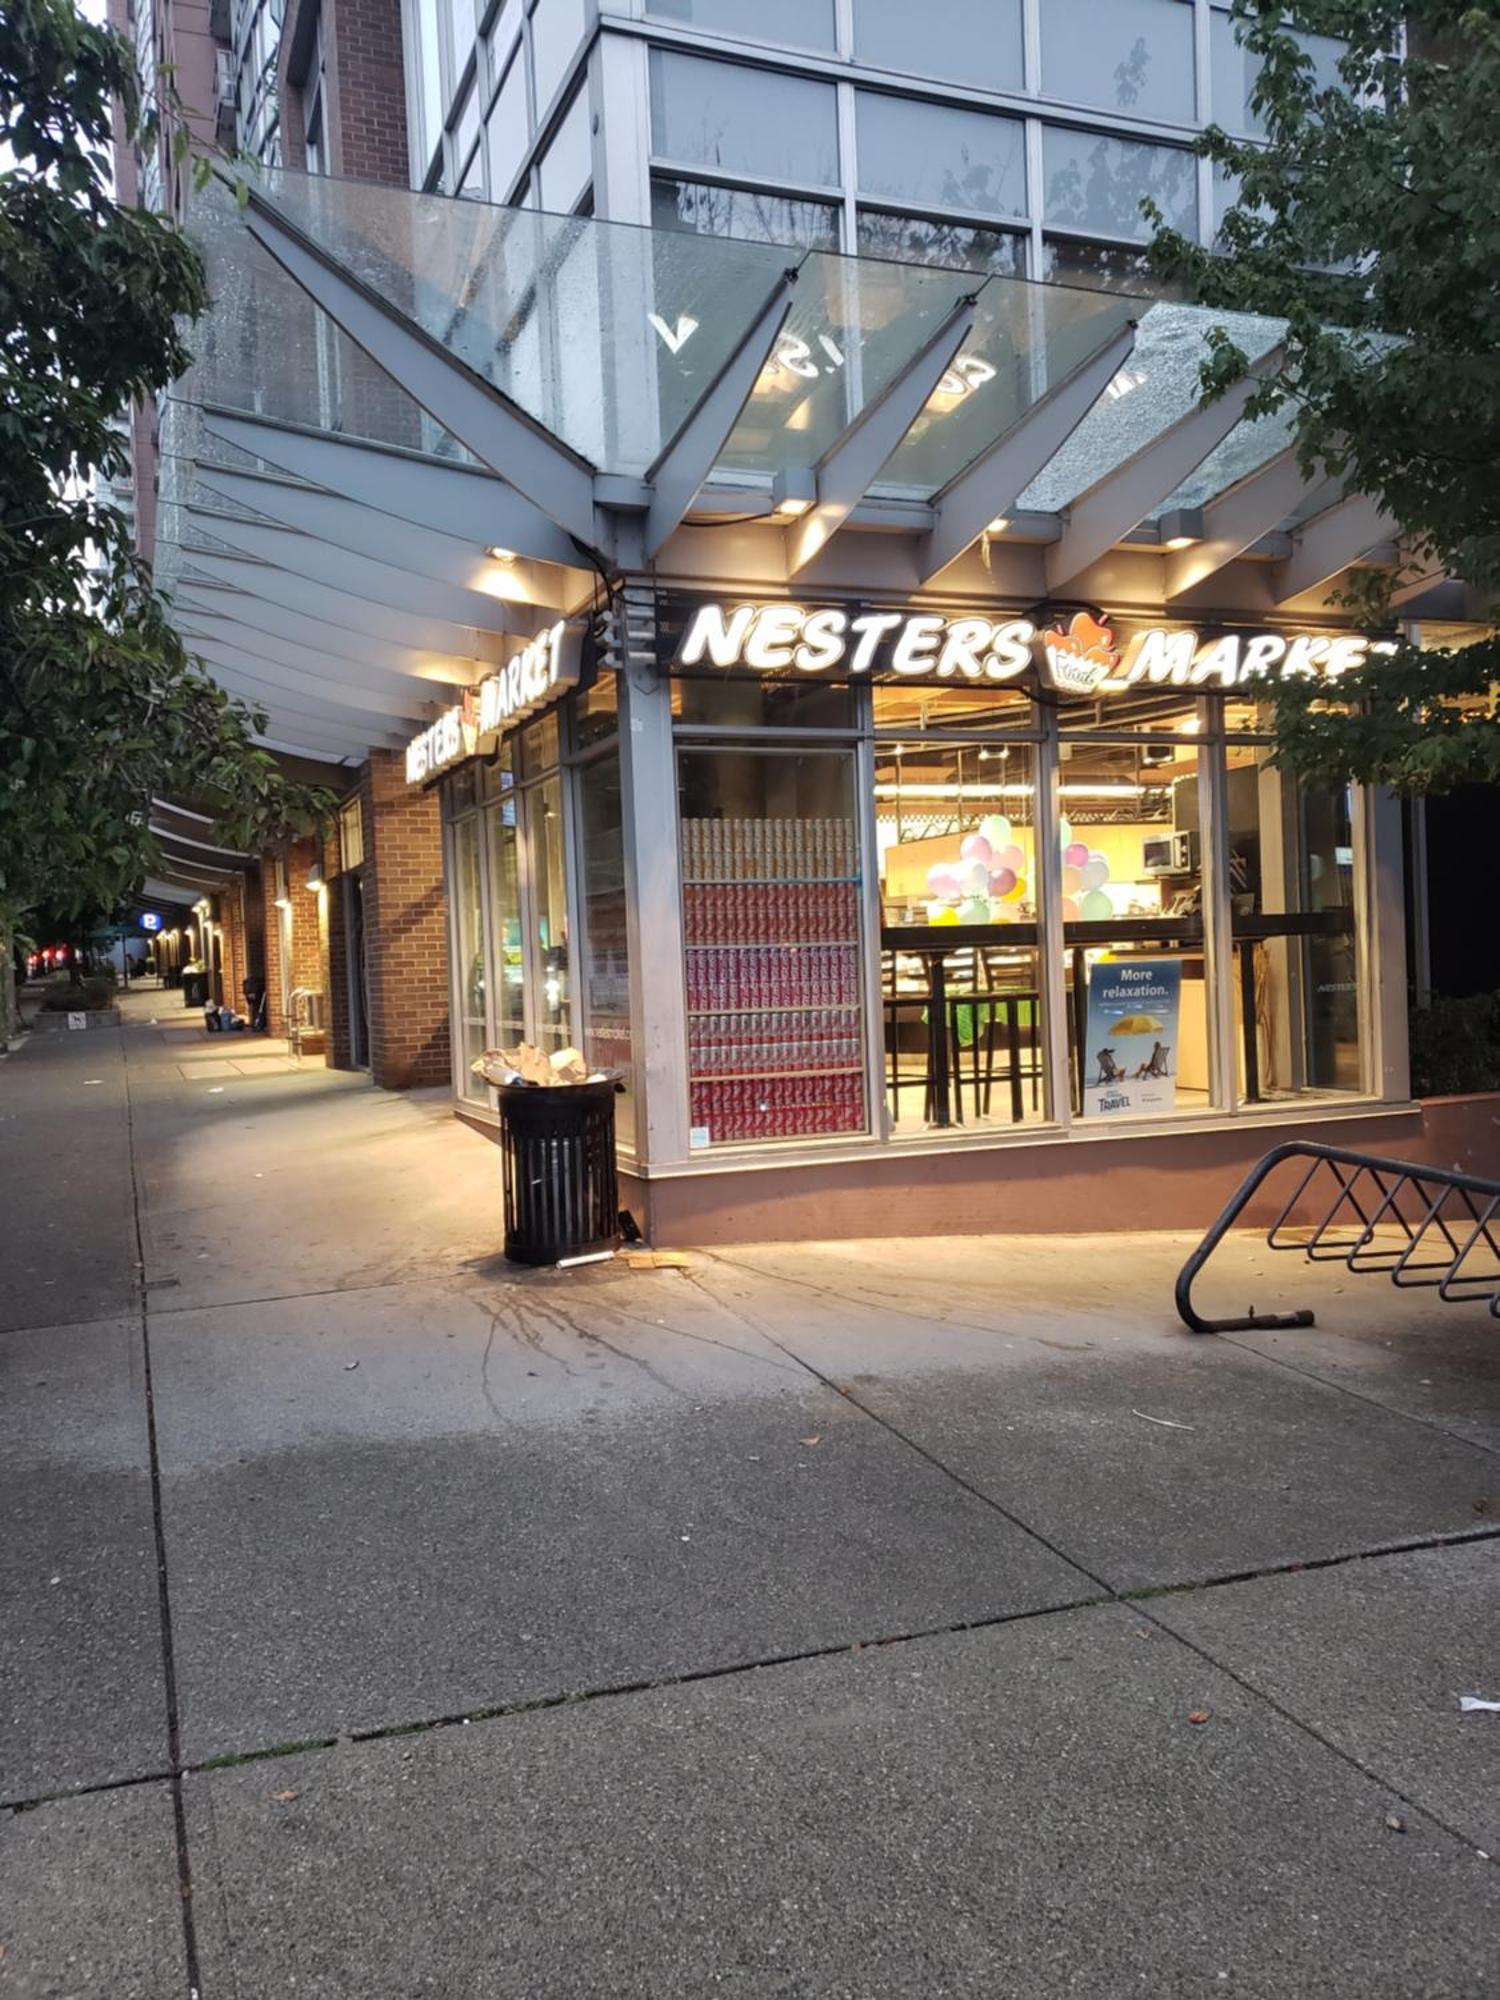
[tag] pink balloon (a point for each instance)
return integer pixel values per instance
(942, 879)
(1002, 880)
(974, 847)
(1012, 857)
(1075, 854)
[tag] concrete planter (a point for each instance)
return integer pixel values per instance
(98, 1017)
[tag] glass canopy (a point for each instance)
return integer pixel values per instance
(609, 338)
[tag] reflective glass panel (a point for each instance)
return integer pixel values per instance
(965, 41)
(1294, 921)
(468, 940)
(509, 979)
(1106, 267)
(742, 702)
(743, 120)
(804, 24)
(1129, 55)
(506, 132)
(1234, 70)
(606, 967)
(567, 166)
(557, 31)
(940, 155)
(1097, 183)
(710, 210)
(551, 996)
(1131, 853)
(918, 239)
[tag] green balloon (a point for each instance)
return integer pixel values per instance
(1095, 907)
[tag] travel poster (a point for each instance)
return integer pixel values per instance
(1129, 1058)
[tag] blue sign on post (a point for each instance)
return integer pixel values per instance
(1130, 1059)
(150, 921)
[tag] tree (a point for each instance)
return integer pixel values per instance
(1367, 218)
(100, 706)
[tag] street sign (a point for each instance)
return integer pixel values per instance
(150, 921)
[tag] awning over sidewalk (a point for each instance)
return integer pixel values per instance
(417, 428)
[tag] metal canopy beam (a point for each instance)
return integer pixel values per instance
(681, 468)
(237, 647)
(849, 465)
(301, 596)
(237, 678)
(341, 569)
(991, 486)
(1236, 521)
(322, 674)
(1108, 511)
(233, 854)
(1327, 544)
(480, 416)
(329, 517)
(286, 746)
(287, 633)
(459, 500)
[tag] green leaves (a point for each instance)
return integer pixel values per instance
(1368, 220)
(100, 707)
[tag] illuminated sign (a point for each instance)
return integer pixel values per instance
(1078, 658)
(538, 673)
(150, 921)
(545, 668)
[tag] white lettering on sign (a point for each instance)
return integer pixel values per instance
(1080, 658)
(534, 676)
(770, 637)
(439, 745)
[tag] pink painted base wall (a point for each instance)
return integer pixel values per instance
(1174, 1180)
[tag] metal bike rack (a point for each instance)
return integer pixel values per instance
(1440, 1229)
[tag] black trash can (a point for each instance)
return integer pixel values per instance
(255, 1004)
(195, 989)
(562, 1195)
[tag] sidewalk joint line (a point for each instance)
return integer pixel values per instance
(164, 1599)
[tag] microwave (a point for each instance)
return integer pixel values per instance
(1170, 854)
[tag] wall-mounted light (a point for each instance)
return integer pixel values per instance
(998, 526)
(793, 492)
(499, 555)
(1180, 527)
(283, 902)
(315, 877)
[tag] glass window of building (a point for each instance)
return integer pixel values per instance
(464, 123)
(959, 41)
(605, 967)
(508, 983)
(550, 942)
(806, 24)
(1233, 72)
(557, 31)
(921, 239)
(1096, 184)
(769, 848)
(1134, 56)
(941, 156)
(567, 166)
(1294, 921)
(751, 121)
(426, 20)
(1131, 848)
(752, 213)
(470, 981)
(1105, 267)
(506, 133)
(960, 969)
(505, 33)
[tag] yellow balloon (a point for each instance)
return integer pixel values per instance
(1016, 891)
(945, 916)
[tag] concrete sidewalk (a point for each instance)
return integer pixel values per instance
(826, 1621)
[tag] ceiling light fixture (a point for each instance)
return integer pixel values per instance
(499, 555)
(793, 493)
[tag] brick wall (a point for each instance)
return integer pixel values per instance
(406, 927)
(364, 85)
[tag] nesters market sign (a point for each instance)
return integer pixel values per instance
(537, 675)
(1079, 657)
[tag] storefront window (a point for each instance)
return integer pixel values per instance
(509, 982)
(771, 924)
(1293, 920)
(1132, 882)
(549, 896)
(606, 952)
(762, 704)
(469, 972)
(961, 988)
